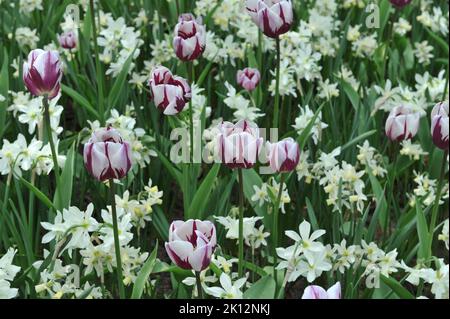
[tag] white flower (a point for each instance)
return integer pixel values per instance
(423, 52)
(229, 289)
(306, 240)
(444, 235)
(8, 272)
(314, 264)
(261, 196)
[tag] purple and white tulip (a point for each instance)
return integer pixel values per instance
(68, 40)
(239, 144)
(248, 78)
(170, 93)
(106, 155)
(439, 125)
(402, 123)
(273, 17)
(400, 3)
(191, 244)
(284, 155)
(190, 37)
(317, 292)
(42, 73)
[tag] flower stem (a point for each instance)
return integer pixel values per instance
(241, 224)
(277, 87)
(275, 227)
(199, 285)
(48, 128)
(437, 199)
(191, 112)
(98, 67)
(116, 240)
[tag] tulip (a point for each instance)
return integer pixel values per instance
(316, 292)
(240, 144)
(106, 155)
(191, 244)
(68, 40)
(284, 155)
(42, 73)
(273, 17)
(400, 3)
(190, 37)
(402, 123)
(170, 93)
(248, 78)
(439, 125)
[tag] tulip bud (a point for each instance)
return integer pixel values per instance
(402, 123)
(240, 144)
(439, 125)
(317, 292)
(68, 40)
(106, 155)
(273, 17)
(400, 3)
(248, 78)
(170, 93)
(284, 155)
(190, 38)
(42, 73)
(191, 244)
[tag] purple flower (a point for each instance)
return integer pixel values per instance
(439, 125)
(170, 93)
(402, 123)
(248, 78)
(240, 144)
(190, 38)
(317, 292)
(42, 73)
(68, 40)
(191, 244)
(106, 155)
(284, 155)
(273, 17)
(400, 3)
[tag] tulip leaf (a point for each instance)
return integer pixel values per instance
(397, 288)
(422, 232)
(143, 275)
(351, 94)
(381, 211)
(82, 101)
(262, 289)
(116, 90)
(41, 196)
(160, 223)
(4, 87)
(199, 201)
(65, 188)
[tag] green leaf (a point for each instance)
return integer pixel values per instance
(397, 288)
(82, 101)
(252, 178)
(114, 95)
(41, 196)
(358, 139)
(311, 214)
(422, 232)
(143, 275)
(351, 94)
(66, 182)
(4, 87)
(262, 289)
(199, 201)
(303, 138)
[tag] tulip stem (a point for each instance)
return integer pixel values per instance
(241, 224)
(199, 285)
(116, 239)
(276, 209)
(277, 87)
(48, 128)
(191, 112)
(437, 199)
(98, 67)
